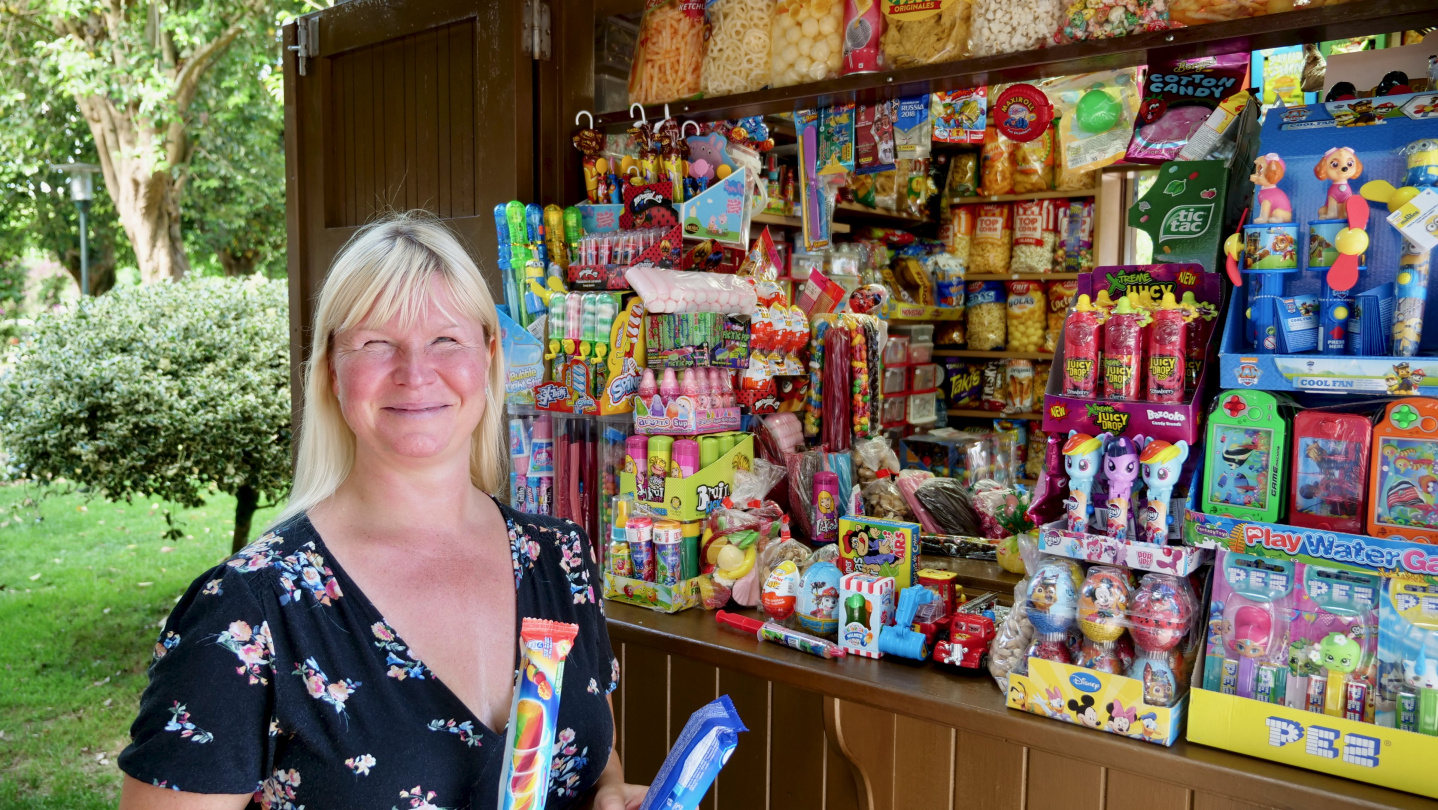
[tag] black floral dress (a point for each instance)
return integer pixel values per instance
(275, 675)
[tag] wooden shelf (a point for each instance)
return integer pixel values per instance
(1000, 355)
(862, 213)
(1021, 277)
(918, 312)
(1032, 195)
(980, 414)
(1275, 30)
(781, 221)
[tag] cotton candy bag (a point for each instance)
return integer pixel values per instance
(1178, 96)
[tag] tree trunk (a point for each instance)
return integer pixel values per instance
(102, 268)
(237, 264)
(246, 499)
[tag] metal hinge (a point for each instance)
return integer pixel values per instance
(536, 29)
(307, 35)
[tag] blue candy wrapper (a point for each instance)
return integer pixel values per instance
(696, 758)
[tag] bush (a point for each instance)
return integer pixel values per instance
(172, 390)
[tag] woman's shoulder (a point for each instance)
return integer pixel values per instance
(286, 561)
(540, 528)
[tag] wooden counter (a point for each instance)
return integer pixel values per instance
(873, 735)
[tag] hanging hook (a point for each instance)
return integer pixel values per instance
(685, 128)
(583, 113)
(642, 116)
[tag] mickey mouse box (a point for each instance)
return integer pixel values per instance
(1098, 700)
(881, 548)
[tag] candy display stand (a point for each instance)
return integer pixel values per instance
(682, 418)
(652, 595)
(1135, 554)
(623, 361)
(1373, 752)
(690, 498)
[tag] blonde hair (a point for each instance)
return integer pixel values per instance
(385, 270)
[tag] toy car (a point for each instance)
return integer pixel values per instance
(968, 643)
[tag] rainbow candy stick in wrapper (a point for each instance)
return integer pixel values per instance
(528, 747)
(699, 752)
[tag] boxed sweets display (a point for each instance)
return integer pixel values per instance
(1336, 293)
(1320, 651)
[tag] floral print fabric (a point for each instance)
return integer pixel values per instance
(275, 677)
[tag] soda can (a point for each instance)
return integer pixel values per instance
(640, 533)
(863, 26)
(668, 553)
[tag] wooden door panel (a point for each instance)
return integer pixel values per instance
(743, 782)
(796, 748)
(923, 764)
(1128, 791)
(988, 773)
(1210, 801)
(1058, 781)
(646, 716)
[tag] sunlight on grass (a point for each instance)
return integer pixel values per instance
(84, 585)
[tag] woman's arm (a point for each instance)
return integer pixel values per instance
(136, 795)
(612, 793)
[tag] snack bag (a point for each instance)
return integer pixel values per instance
(1093, 131)
(669, 54)
(1035, 237)
(1009, 26)
(987, 314)
(996, 164)
(1041, 380)
(1078, 237)
(961, 233)
(1027, 315)
(1198, 12)
(1061, 295)
(807, 41)
(960, 116)
(1034, 164)
(995, 381)
(1020, 387)
(1178, 97)
(993, 240)
(963, 180)
(925, 33)
(738, 57)
(1066, 178)
(963, 384)
(1102, 19)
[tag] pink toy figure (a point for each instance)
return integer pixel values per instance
(1252, 633)
(1338, 166)
(1120, 466)
(1272, 204)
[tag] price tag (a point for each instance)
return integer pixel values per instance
(1417, 219)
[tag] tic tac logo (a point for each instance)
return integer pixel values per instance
(1320, 741)
(1186, 222)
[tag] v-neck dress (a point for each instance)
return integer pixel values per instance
(274, 675)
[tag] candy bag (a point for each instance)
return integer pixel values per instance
(1093, 129)
(883, 500)
(1008, 650)
(949, 503)
(909, 481)
(1178, 97)
(669, 55)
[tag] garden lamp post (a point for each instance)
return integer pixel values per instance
(82, 190)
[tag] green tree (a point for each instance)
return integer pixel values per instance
(134, 71)
(171, 390)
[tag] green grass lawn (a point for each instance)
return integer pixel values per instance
(84, 585)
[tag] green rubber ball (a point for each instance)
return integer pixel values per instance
(1097, 112)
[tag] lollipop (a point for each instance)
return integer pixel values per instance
(1082, 454)
(1103, 600)
(1120, 466)
(1161, 463)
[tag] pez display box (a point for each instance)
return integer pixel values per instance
(866, 605)
(1201, 294)
(1318, 651)
(881, 548)
(690, 498)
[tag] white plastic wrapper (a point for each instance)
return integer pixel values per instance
(690, 291)
(1009, 26)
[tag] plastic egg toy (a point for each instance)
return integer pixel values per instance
(1103, 603)
(1050, 647)
(819, 599)
(1101, 656)
(1052, 597)
(1160, 683)
(1160, 612)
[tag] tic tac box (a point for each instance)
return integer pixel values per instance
(881, 548)
(866, 603)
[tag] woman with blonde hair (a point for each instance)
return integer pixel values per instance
(363, 652)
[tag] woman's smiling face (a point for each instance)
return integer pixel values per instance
(416, 390)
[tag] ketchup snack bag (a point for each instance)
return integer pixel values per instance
(1177, 98)
(699, 752)
(534, 716)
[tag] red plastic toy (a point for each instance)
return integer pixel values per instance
(968, 643)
